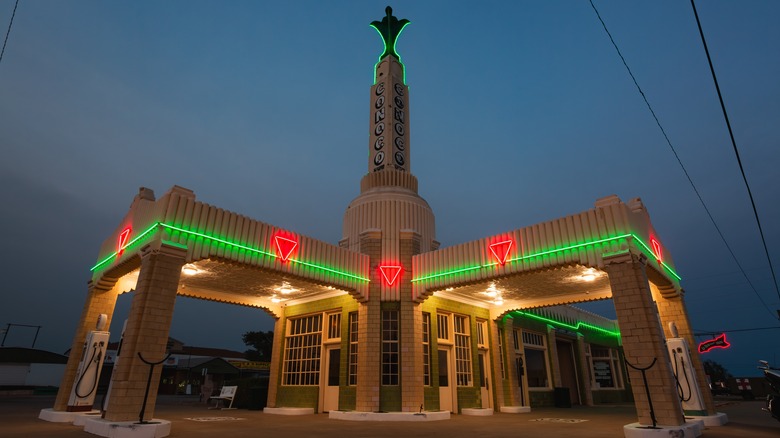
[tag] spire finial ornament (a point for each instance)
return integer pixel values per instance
(389, 29)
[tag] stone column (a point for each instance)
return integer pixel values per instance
(276, 358)
(555, 363)
(101, 298)
(412, 387)
(507, 390)
(147, 330)
(643, 339)
(584, 371)
(369, 330)
(671, 308)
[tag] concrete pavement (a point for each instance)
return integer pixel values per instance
(19, 418)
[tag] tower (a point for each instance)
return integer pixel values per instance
(390, 223)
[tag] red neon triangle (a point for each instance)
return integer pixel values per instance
(390, 273)
(123, 236)
(284, 247)
(656, 248)
(500, 250)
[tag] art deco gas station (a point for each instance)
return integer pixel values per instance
(386, 320)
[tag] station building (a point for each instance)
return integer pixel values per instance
(386, 320)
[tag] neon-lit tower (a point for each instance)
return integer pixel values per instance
(390, 222)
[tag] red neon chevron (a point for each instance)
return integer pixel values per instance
(500, 250)
(123, 237)
(391, 273)
(284, 247)
(656, 248)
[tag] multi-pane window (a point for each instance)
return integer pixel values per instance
(443, 326)
(390, 348)
(501, 351)
(426, 341)
(604, 363)
(535, 360)
(482, 334)
(334, 326)
(462, 350)
(353, 348)
(303, 347)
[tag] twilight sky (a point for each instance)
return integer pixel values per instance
(521, 112)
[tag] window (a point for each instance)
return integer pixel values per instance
(501, 352)
(334, 326)
(390, 347)
(462, 350)
(482, 334)
(426, 341)
(604, 364)
(443, 326)
(535, 360)
(303, 347)
(353, 349)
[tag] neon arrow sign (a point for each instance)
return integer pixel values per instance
(719, 342)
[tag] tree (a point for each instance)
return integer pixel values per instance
(262, 344)
(716, 371)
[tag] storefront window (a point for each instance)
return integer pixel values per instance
(604, 363)
(303, 346)
(536, 368)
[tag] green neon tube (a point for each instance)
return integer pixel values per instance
(576, 328)
(149, 230)
(549, 252)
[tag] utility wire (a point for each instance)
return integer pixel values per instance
(736, 151)
(669, 142)
(8, 32)
(709, 333)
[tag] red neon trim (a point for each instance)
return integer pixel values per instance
(500, 250)
(719, 342)
(123, 237)
(656, 248)
(284, 247)
(391, 273)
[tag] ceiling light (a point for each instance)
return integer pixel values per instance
(189, 269)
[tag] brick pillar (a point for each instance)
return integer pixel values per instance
(276, 359)
(555, 364)
(505, 387)
(643, 339)
(101, 298)
(584, 372)
(671, 308)
(147, 330)
(369, 330)
(412, 387)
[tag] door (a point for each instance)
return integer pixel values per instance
(446, 391)
(568, 369)
(484, 380)
(330, 398)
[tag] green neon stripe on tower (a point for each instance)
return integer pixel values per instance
(576, 328)
(226, 242)
(549, 252)
(111, 257)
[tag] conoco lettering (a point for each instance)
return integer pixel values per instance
(379, 143)
(399, 129)
(379, 115)
(379, 129)
(380, 88)
(398, 114)
(379, 102)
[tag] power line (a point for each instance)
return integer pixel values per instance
(736, 151)
(710, 333)
(669, 142)
(8, 32)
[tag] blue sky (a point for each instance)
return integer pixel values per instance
(262, 108)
